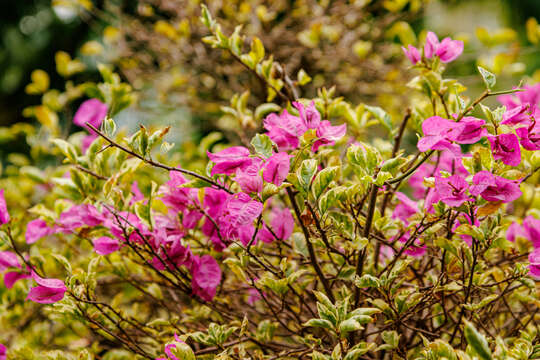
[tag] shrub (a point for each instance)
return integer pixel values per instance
(311, 239)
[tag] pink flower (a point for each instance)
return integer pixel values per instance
(136, 192)
(91, 111)
(531, 230)
(405, 207)
(87, 141)
(505, 147)
(494, 188)
(4, 215)
(37, 229)
(239, 210)
(206, 276)
(48, 291)
(449, 50)
(436, 135)
(432, 42)
(530, 137)
(452, 190)
(517, 115)
(3, 352)
(328, 134)
(229, 160)
(249, 179)
(104, 245)
(309, 115)
(276, 168)
(515, 230)
(285, 130)
(282, 223)
(530, 95)
(432, 198)
(78, 216)
(534, 260)
(174, 253)
(175, 196)
(253, 296)
(467, 131)
(8, 259)
(412, 54)
(11, 277)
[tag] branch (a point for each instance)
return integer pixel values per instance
(309, 245)
(156, 164)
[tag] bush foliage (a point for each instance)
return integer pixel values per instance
(311, 237)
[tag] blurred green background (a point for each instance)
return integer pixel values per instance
(32, 31)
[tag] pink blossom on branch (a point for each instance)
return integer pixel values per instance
(277, 168)
(11, 277)
(530, 136)
(432, 42)
(229, 160)
(3, 352)
(309, 115)
(531, 230)
(8, 259)
(436, 135)
(35, 230)
(412, 54)
(105, 245)
(249, 178)
(515, 230)
(48, 291)
(405, 207)
(447, 50)
(328, 134)
(494, 188)
(517, 115)
(91, 111)
(505, 147)
(452, 190)
(468, 130)
(4, 214)
(206, 277)
(285, 130)
(534, 260)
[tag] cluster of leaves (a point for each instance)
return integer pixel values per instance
(300, 244)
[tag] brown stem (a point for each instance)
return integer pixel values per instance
(156, 164)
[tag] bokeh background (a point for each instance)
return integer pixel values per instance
(156, 47)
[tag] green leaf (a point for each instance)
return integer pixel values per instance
(391, 338)
(488, 77)
(66, 148)
(349, 325)
(303, 78)
(264, 109)
(62, 260)
(109, 127)
(367, 280)
(321, 323)
(477, 341)
(257, 48)
(381, 115)
(323, 179)
(306, 172)
(262, 145)
(315, 355)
